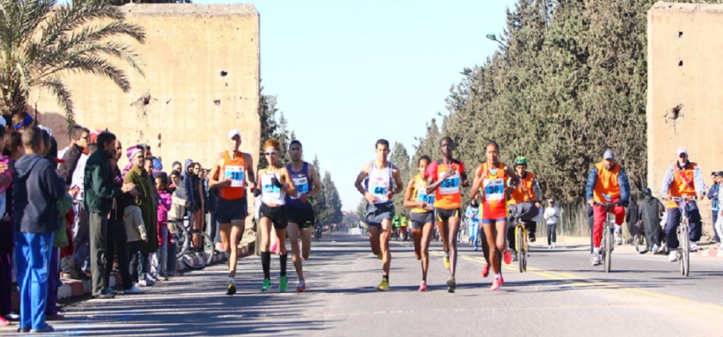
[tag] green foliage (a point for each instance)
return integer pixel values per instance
(40, 41)
(400, 158)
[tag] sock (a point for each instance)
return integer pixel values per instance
(230, 279)
(498, 276)
(596, 250)
(266, 263)
(386, 277)
(282, 260)
(618, 229)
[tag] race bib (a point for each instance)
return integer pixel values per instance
(271, 189)
(494, 189)
(428, 198)
(450, 185)
(302, 186)
(236, 174)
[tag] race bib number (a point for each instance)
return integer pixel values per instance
(494, 189)
(379, 190)
(450, 185)
(302, 186)
(428, 198)
(236, 174)
(271, 189)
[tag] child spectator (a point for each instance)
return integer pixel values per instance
(164, 206)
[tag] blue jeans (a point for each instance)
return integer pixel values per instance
(673, 221)
(32, 255)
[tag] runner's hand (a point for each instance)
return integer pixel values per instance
(450, 172)
(225, 183)
(702, 196)
(370, 197)
(304, 198)
(390, 195)
(538, 205)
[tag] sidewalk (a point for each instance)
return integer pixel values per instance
(707, 250)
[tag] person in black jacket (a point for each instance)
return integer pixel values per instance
(79, 137)
(651, 209)
(37, 189)
(631, 217)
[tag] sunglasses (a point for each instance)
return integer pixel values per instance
(271, 153)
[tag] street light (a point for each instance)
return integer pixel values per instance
(493, 37)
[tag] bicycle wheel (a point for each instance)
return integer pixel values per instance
(608, 238)
(519, 243)
(640, 242)
(684, 242)
(204, 256)
(183, 241)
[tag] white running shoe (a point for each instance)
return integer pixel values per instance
(618, 239)
(596, 260)
(134, 290)
(693, 247)
(554, 245)
(673, 256)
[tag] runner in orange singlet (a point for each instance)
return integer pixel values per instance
(490, 184)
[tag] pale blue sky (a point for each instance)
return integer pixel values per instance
(347, 73)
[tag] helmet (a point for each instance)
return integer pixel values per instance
(521, 161)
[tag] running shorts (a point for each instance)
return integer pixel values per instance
(445, 214)
(376, 213)
(277, 215)
(303, 217)
(421, 219)
(227, 210)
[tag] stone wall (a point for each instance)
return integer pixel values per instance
(201, 67)
(684, 96)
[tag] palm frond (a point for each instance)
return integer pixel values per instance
(70, 17)
(63, 97)
(99, 66)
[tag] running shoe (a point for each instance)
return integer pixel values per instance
(446, 260)
(515, 256)
(451, 285)
(673, 256)
(496, 284)
(301, 287)
(283, 284)
(693, 247)
(384, 286)
(423, 286)
(231, 288)
(486, 270)
(133, 290)
(266, 285)
(596, 260)
(507, 256)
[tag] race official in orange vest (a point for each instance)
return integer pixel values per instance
(682, 179)
(607, 184)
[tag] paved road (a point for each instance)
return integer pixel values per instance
(561, 295)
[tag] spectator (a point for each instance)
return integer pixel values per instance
(37, 189)
(631, 216)
(6, 228)
(552, 216)
(651, 209)
(100, 191)
(79, 137)
(79, 265)
(178, 209)
(164, 206)
(713, 197)
(147, 202)
(199, 214)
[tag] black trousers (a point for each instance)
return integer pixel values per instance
(117, 246)
(133, 260)
(98, 252)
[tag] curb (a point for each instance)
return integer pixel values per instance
(709, 252)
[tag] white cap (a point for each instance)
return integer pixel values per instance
(682, 150)
(234, 133)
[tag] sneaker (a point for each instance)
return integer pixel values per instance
(446, 260)
(596, 260)
(384, 286)
(532, 237)
(549, 246)
(283, 284)
(146, 283)
(133, 290)
(654, 249)
(422, 287)
(231, 288)
(107, 293)
(618, 239)
(266, 285)
(693, 247)
(673, 256)
(22, 330)
(496, 284)
(46, 328)
(301, 287)
(554, 245)
(451, 285)
(486, 270)
(12, 316)
(514, 256)
(507, 256)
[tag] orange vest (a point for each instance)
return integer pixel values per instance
(494, 204)
(607, 184)
(679, 187)
(236, 170)
(518, 195)
(447, 195)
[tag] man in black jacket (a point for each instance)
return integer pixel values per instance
(651, 209)
(631, 217)
(37, 188)
(79, 137)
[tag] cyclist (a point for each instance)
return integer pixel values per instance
(491, 184)
(524, 203)
(445, 177)
(378, 192)
(301, 214)
(422, 216)
(230, 174)
(607, 183)
(682, 179)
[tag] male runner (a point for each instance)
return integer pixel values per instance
(444, 177)
(490, 183)
(300, 213)
(230, 174)
(606, 184)
(380, 210)
(524, 204)
(684, 179)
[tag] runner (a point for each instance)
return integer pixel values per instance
(403, 225)
(444, 177)
(682, 179)
(275, 184)
(490, 182)
(421, 215)
(606, 184)
(229, 175)
(524, 204)
(301, 215)
(379, 209)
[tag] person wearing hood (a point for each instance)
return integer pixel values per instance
(37, 189)
(147, 202)
(190, 189)
(651, 209)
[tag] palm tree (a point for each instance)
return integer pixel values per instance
(41, 41)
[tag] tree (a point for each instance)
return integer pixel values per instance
(267, 120)
(320, 206)
(282, 135)
(40, 41)
(333, 212)
(400, 158)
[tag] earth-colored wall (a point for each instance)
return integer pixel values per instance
(685, 104)
(201, 67)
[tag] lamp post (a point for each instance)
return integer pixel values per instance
(493, 37)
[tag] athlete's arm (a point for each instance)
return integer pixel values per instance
(408, 202)
(477, 183)
(315, 183)
(432, 175)
(250, 176)
(463, 175)
(213, 179)
(289, 186)
(358, 184)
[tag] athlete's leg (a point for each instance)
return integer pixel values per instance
(426, 238)
(485, 244)
(417, 239)
(374, 234)
(293, 231)
(443, 233)
(225, 229)
(386, 232)
(237, 230)
(453, 224)
(495, 256)
(265, 227)
(305, 234)
(500, 241)
(281, 238)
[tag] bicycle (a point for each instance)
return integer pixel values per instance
(184, 232)
(683, 232)
(607, 245)
(521, 242)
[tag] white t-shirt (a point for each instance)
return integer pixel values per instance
(552, 215)
(79, 177)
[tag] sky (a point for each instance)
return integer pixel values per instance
(347, 73)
